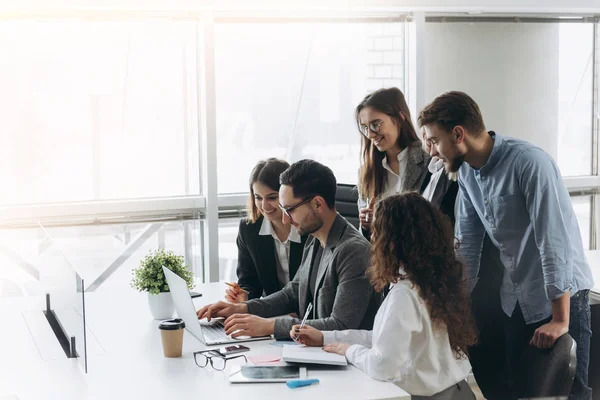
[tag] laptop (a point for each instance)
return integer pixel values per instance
(209, 333)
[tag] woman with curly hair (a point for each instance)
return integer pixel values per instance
(424, 327)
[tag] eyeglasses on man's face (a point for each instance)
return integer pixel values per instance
(373, 126)
(288, 210)
(217, 360)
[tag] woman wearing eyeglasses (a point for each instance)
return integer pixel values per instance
(269, 251)
(393, 160)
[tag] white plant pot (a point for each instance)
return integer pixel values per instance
(161, 305)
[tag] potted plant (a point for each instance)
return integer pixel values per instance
(150, 278)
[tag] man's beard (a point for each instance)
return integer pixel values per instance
(452, 170)
(315, 225)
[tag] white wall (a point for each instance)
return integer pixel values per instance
(510, 70)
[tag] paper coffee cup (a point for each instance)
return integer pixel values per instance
(171, 333)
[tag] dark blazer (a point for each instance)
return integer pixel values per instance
(444, 194)
(257, 266)
(343, 298)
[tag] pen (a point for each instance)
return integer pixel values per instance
(308, 310)
(234, 286)
(367, 213)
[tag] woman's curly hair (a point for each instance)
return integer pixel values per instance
(411, 239)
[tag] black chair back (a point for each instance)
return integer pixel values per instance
(346, 198)
(547, 372)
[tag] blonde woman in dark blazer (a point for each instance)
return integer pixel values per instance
(392, 158)
(269, 250)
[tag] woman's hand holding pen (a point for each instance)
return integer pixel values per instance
(366, 215)
(235, 294)
(307, 335)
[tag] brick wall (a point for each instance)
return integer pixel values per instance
(385, 58)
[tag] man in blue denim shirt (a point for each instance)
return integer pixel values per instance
(513, 191)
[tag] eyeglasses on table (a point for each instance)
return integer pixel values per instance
(217, 360)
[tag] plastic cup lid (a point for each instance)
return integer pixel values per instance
(172, 324)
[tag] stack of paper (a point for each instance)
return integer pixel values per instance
(311, 355)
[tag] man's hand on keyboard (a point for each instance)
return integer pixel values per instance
(248, 325)
(221, 309)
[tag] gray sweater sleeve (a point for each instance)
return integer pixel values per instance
(282, 302)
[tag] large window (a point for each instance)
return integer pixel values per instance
(97, 110)
(289, 91)
(532, 81)
(228, 251)
(575, 91)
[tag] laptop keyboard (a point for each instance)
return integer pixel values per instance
(215, 331)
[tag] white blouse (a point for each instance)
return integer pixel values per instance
(393, 183)
(403, 347)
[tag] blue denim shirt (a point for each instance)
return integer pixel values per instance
(520, 200)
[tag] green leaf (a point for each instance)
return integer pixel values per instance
(149, 277)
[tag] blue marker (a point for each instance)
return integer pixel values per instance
(296, 383)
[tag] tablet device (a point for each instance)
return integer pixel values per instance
(266, 373)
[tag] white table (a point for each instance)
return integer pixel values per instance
(133, 365)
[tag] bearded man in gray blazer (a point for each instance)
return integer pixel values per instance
(332, 272)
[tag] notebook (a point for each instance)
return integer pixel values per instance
(311, 355)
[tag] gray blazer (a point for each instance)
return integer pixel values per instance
(416, 168)
(343, 298)
(413, 175)
(415, 178)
